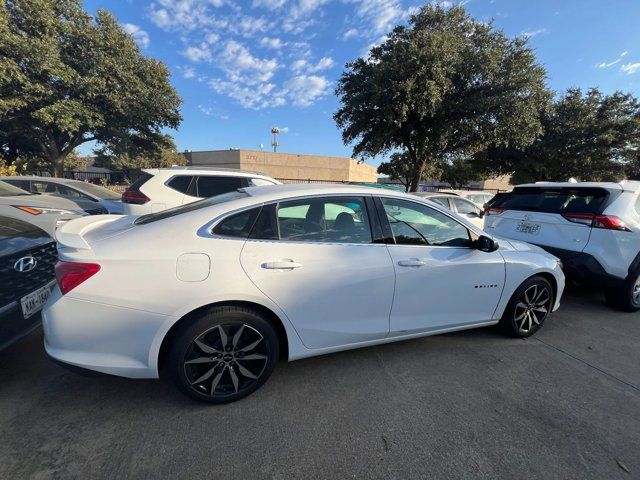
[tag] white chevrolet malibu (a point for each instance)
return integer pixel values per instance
(212, 293)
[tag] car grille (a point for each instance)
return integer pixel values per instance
(97, 211)
(14, 284)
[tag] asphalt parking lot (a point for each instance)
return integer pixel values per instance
(565, 404)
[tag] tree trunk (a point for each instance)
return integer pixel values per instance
(416, 177)
(57, 166)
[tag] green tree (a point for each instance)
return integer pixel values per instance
(445, 85)
(128, 157)
(588, 136)
(67, 78)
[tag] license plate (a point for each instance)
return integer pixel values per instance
(528, 228)
(34, 302)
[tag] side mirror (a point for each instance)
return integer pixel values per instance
(486, 244)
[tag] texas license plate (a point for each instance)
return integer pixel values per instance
(529, 228)
(34, 302)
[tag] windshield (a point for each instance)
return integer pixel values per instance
(7, 190)
(190, 207)
(555, 200)
(96, 190)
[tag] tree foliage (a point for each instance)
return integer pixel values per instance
(590, 136)
(442, 87)
(67, 78)
(127, 158)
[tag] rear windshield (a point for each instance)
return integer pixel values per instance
(190, 207)
(555, 200)
(96, 190)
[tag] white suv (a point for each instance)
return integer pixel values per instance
(161, 188)
(594, 228)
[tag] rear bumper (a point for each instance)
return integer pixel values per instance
(584, 267)
(102, 338)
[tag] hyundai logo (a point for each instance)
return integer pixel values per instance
(25, 264)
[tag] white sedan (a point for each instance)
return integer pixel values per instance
(212, 293)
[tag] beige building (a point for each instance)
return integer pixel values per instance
(287, 166)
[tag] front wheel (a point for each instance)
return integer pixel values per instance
(626, 297)
(528, 308)
(225, 355)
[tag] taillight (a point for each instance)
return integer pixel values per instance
(134, 196)
(493, 211)
(71, 274)
(607, 222)
(581, 218)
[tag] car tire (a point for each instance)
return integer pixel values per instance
(528, 308)
(224, 355)
(627, 296)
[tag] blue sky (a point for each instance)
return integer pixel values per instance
(243, 66)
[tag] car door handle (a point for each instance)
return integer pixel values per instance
(412, 262)
(281, 265)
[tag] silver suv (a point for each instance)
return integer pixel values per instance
(594, 228)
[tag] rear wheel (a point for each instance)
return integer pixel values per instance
(225, 355)
(626, 297)
(528, 308)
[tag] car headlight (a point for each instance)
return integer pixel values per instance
(47, 210)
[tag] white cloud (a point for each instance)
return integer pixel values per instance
(630, 68)
(268, 4)
(534, 33)
(624, 54)
(241, 65)
(607, 65)
(352, 32)
(188, 72)
(212, 38)
(284, 129)
(212, 112)
(304, 90)
(249, 96)
(380, 15)
(249, 26)
(303, 65)
(139, 35)
(274, 43)
(198, 54)
(183, 14)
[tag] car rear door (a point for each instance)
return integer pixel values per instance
(557, 217)
(319, 263)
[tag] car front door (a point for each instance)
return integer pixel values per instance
(441, 280)
(318, 262)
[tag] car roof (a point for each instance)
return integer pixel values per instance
(274, 192)
(435, 194)
(190, 170)
(629, 185)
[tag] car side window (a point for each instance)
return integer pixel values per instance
(71, 193)
(464, 207)
(417, 224)
(238, 225)
(44, 187)
(180, 183)
(209, 186)
(324, 219)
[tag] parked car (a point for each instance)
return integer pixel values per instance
(44, 211)
(213, 292)
(27, 259)
(161, 188)
(479, 197)
(594, 228)
(95, 198)
(463, 207)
